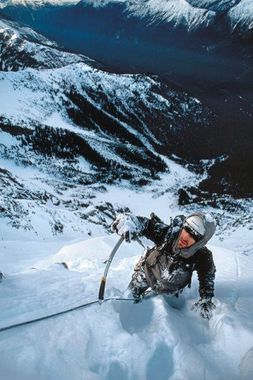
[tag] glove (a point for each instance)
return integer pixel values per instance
(126, 225)
(205, 307)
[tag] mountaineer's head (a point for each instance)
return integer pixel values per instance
(195, 232)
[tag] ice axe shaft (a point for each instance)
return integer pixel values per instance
(108, 263)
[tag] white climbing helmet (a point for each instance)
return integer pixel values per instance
(194, 225)
(202, 227)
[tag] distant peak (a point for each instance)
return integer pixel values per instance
(36, 3)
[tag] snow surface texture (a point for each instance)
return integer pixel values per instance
(161, 338)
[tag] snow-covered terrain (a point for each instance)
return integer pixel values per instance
(242, 14)
(36, 3)
(47, 136)
(72, 131)
(22, 47)
(202, 46)
(77, 145)
(160, 338)
(178, 12)
(71, 128)
(192, 14)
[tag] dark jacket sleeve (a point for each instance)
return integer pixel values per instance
(206, 273)
(154, 228)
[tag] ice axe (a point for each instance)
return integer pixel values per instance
(108, 263)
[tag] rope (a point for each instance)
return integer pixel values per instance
(62, 312)
(99, 301)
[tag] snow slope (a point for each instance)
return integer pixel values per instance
(159, 338)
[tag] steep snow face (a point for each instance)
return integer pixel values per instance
(160, 338)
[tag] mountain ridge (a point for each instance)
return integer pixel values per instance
(191, 13)
(36, 3)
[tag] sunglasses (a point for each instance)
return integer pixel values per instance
(194, 234)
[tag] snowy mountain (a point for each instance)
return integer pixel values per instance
(22, 47)
(77, 145)
(71, 139)
(192, 14)
(70, 125)
(189, 14)
(203, 46)
(36, 3)
(241, 15)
